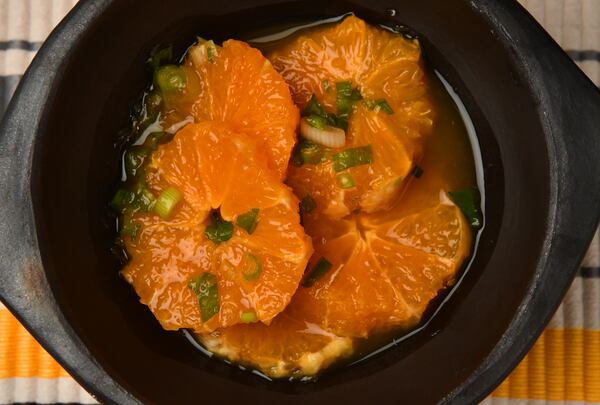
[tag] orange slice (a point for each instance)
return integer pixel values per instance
(381, 65)
(257, 273)
(384, 272)
(239, 86)
(288, 347)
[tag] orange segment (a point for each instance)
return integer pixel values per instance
(383, 275)
(214, 167)
(287, 348)
(382, 65)
(395, 268)
(241, 88)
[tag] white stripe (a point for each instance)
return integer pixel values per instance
(43, 391)
(573, 305)
(31, 20)
(2, 306)
(592, 69)
(14, 61)
(592, 258)
(591, 302)
(581, 306)
(558, 320)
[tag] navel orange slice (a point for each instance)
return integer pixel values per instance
(387, 70)
(234, 251)
(240, 87)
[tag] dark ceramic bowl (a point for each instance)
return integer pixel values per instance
(537, 119)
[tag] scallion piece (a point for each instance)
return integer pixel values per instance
(131, 229)
(314, 108)
(167, 201)
(248, 317)
(345, 180)
(320, 269)
(352, 157)
(219, 230)
(145, 200)
(248, 220)
(316, 121)
(379, 104)
(153, 100)
(211, 51)
(122, 200)
(326, 85)
(135, 158)
(154, 139)
(469, 203)
(207, 290)
(418, 172)
(251, 267)
(311, 153)
(170, 79)
(345, 98)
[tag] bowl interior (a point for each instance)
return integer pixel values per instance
(76, 170)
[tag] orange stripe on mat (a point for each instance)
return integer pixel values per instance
(563, 365)
(20, 353)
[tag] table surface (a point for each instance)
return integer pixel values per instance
(562, 367)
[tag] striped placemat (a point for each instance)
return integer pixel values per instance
(563, 366)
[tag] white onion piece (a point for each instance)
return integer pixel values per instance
(327, 136)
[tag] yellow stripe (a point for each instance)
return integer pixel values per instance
(564, 365)
(20, 353)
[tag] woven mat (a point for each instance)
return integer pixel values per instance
(563, 366)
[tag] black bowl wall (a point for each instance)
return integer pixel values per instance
(537, 122)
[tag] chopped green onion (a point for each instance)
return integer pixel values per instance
(311, 153)
(345, 99)
(469, 203)
(379, 104)
(135, 158)
(307, 152)
(344, 89)
(122, 200)
(219, 230)
(326, 85)
(170, 79)
(320, 269)
(167, 201)
(307, 204)
(207, 290)
(314, 108)
(316, 121)
(160, 57)
(345, 180)
(154, 139)
(131, 229)
(352, 157)
(251, 267)
(153, 100)
(145, 200)
(248, 317)
(211, 51)
(248, 220)
(418, 172)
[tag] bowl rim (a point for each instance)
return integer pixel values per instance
(39, 312)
